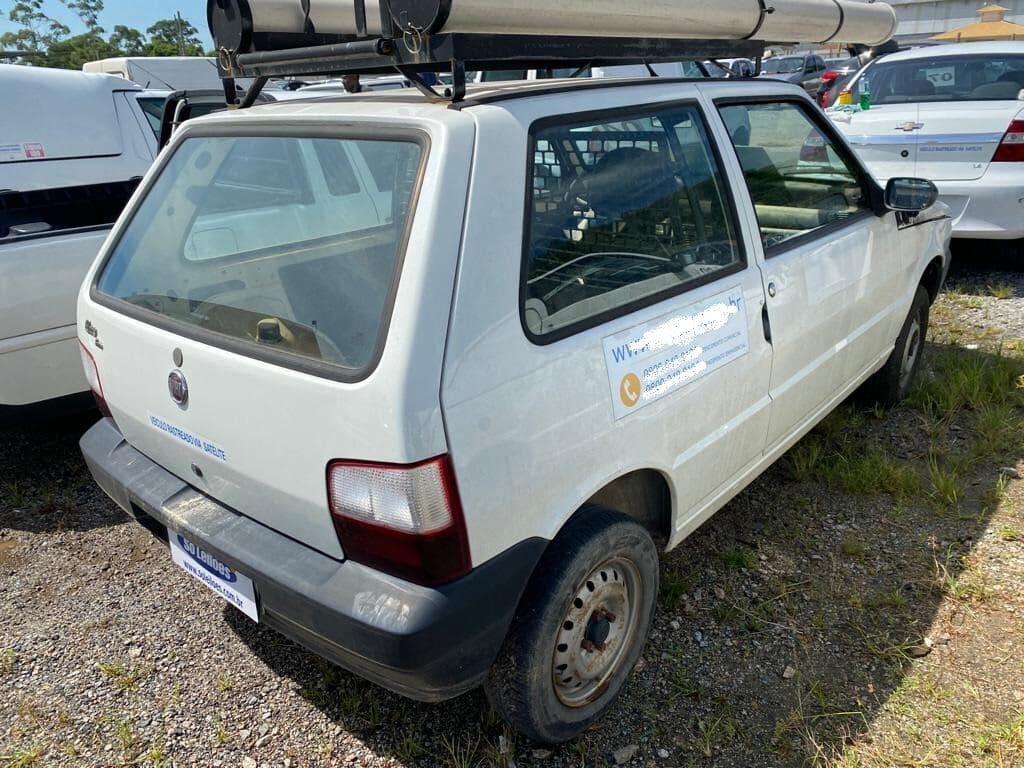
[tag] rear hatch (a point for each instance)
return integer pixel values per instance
(239, 320)
(937, 117)
(956, 142)
(884, 137)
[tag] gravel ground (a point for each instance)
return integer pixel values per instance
(795, 627)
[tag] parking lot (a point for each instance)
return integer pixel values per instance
(858, 605)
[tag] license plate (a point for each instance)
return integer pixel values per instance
(231, 585)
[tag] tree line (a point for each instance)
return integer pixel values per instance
(53, 45)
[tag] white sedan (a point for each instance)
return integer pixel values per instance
(953, 114)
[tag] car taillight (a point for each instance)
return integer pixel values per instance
(405, 520)
(1011, 148)
(92, 375)
(829, 76)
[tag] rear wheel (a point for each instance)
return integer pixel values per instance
(892, 383)
(579, 629)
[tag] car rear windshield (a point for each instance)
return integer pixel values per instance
(286, 245)
(784, 66)
(992, 77)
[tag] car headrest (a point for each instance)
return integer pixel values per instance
(998, 90)
(920, 87)
(1012, 77)
(629, 179)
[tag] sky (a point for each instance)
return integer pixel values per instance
(133, 13)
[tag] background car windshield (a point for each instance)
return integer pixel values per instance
(283, 242)
(946, 78)
(784, 65)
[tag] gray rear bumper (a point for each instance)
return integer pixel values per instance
(426, 643)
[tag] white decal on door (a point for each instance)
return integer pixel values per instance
(650, 360)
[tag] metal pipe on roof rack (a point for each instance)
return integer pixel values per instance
(312, 54)
(247, 25)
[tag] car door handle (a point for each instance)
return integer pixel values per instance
(771, 290)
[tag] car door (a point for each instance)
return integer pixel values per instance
(831, 270)
(629, 336)
(818, 70)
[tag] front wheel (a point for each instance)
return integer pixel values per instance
(580, 627)
(892, 383)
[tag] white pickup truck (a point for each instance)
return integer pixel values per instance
(73, 147)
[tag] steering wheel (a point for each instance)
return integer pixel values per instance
(719, 253)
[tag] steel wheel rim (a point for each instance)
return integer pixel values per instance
(596, 632)
(911, 350)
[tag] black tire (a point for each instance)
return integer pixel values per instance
(595, 544)
(891, 384)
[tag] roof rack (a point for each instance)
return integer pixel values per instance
(412, 53)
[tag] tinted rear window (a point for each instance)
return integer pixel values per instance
(946, 78)
(783, 66)
(285, 243)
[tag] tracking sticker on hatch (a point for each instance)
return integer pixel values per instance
(12, 153)
(652, 359)
(188, 437)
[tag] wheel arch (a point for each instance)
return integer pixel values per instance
(932, 277)
(643, 494)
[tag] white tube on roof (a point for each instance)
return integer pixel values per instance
(790, 21)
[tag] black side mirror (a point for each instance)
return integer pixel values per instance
(909, 194)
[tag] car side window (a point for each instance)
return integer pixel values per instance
(798, 181)
(623, 211)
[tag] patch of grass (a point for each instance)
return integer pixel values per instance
(410, 748)
(8, 658)
(947, 488)
(500, 754)
(459, 753)
(221, 734)
(962, 300)
(738, 558)
(1009, 533)
(1001, 290)
(853, 546)
(125, 678)
(224, 682)
(22, 758)
(805, 459)
(870, 471)
(967, 379)
(885, 648)
(683, 684)
(127, 737)
(996, 495)
(157, 752)
(960, 586)
(796, 732)
(998, 430)
(714, 734)
(838, 425)
(891, 601)
(675, 583)
(47, 502)
(15, 494)
(27, 709)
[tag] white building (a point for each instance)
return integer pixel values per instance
(918, 20)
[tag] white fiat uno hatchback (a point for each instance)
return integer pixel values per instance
(425, 386)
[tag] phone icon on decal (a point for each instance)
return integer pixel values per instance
(629, 390)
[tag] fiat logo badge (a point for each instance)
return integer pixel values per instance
(178, 387)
